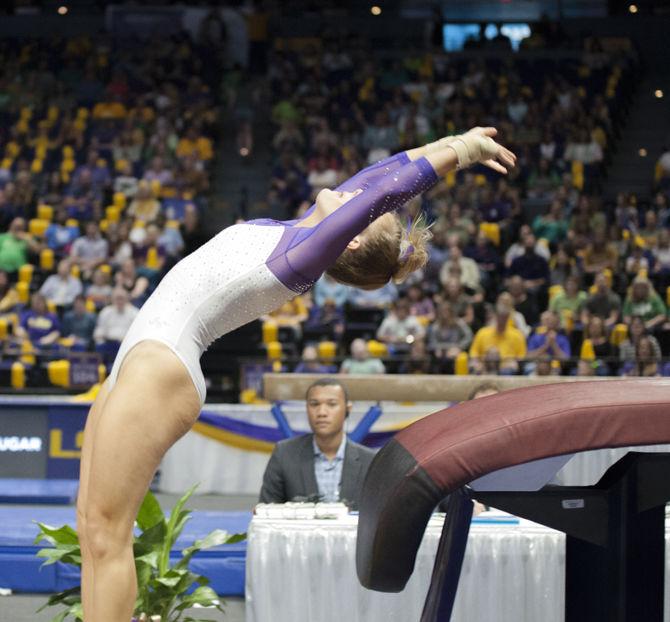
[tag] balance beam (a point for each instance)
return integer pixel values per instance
(403, 388)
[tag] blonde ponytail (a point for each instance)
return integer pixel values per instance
(413, 248)
(386, 253)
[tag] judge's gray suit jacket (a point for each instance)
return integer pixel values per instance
(290, 472)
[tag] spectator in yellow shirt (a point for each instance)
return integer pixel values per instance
(193, 143)
(508, 340)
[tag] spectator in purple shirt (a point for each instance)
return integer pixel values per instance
(548, 339)
(37, 325)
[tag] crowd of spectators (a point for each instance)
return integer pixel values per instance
(106, 152)
(530, 273)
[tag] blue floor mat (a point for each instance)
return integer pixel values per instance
(20, 569)
(49, 491)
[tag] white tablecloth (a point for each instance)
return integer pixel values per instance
(304, 571)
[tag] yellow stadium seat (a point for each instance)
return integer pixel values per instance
(270, 332)
(619, 334)
(18, 376)
(68, 152)
(155, 187)
(377, 348)
(274, 350)
(105, 268)
(23, 290)
(152, 258)
(67, 166)
(103, 224)
(102, 373)
(248, 396)
(4, 328)
(327, 350)
(90, 306)
(6, 163)
(27, 353)
(172, 224)
(36, 166)
(75, 270)
(491, 230)
(461, 364)
(47, 261)
(112, 213)
(587, 353)
(72, 222)
(59, 373)
(82, 113)
(45, 212)
(37, 226)
(26, 273)
(51, 306)
(450, 179)
(119, 200)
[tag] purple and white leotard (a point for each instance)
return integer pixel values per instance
(250, 269)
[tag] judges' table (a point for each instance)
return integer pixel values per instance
(304, 570)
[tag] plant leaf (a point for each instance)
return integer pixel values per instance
(204, 596)
(56, 535)
(168, 581)
(61, 616)
(214, 538)
(150, 512)
(169, 539)
(55, 599)
(77, 611)
(151, 539)
(69, 554)
(150, 558)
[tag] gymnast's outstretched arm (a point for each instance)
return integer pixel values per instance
(316, 250)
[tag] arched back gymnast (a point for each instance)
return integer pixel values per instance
(156, 387)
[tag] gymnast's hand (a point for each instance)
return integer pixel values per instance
(477, 145)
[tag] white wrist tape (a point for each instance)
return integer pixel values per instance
(438, 145)
(472, 148)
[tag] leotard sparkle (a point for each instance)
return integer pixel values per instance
(250, 269)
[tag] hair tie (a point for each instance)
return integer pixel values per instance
(406, 249)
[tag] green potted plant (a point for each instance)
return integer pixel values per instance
(162, 588)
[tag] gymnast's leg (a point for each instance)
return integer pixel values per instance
(153, 403)
(87, 449)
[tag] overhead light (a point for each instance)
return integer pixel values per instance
(658, 93)
(62, 10)
(244, 152)
(633, 8)
(376, 10)
(642, 152)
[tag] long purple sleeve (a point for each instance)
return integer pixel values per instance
(303, 254)
(365, 178)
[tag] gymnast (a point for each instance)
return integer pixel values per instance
(156, 388)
